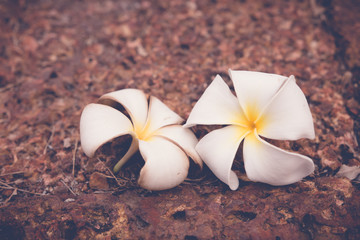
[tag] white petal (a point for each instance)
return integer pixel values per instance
(99, 124)
(160, 115)
(166, 165)
(217, 105)
(218, 148)
(182, 137)
(255, 89)
(288, 116)
(269, 164)
(135, 103)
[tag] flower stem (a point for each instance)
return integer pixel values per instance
(133, 148)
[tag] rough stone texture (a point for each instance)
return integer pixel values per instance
(325, 208)
(58, 56)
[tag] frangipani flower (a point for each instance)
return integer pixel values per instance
(163, 143)
(267, 105)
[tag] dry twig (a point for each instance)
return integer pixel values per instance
(9, 198)
(7, 186)
(12, 173)
(49, 140)
(112, 174)
(74, 155)
(68, 188)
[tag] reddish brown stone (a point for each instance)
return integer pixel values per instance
(98, 181)
(58, 56)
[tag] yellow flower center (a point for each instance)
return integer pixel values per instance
(251, 125)
(143, 134)
(252, 120)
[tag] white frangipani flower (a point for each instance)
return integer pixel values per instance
(163, 143)
(267, 105)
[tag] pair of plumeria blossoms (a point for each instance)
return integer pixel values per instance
(267, 105)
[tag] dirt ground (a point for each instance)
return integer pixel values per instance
(58, 56)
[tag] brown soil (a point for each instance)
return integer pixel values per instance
(58, 56)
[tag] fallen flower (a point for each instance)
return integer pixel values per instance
(163, 143)
(350, 172)
(267, 105)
